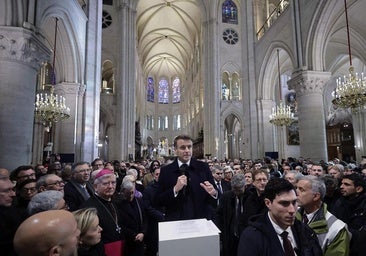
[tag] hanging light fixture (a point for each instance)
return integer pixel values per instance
(281, 114)
(50, 107)
(350, 92)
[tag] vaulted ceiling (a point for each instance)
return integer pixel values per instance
(167, 31)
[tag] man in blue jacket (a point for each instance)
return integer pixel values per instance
(277, 232)
(186, 186)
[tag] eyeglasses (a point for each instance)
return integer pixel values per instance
(58, 183)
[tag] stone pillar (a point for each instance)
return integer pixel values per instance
(359, 130)
(21, 54)
(64, 141)
(124, 142)
(309, 87)
(269, 137)
(213, 129)
(88, 128)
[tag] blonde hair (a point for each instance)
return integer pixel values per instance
(84, 219)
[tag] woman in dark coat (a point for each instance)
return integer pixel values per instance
(132, 219)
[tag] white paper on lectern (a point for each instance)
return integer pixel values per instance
(171, 230)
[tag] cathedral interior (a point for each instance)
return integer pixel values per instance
(131, 75)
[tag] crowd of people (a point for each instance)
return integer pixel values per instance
(262, 207)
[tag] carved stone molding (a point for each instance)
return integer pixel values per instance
(67, 88)
(22, 45)
(82, 89)
(309, 82)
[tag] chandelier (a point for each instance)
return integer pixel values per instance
(49, 107)
(350, 91)
(281, 115)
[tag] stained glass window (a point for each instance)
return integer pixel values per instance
(150, 89)
(163, 91)
(176, 90)
(229, 12)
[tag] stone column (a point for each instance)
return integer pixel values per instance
(359, 130)
(124, 142)
(213, 128)
(21, 54)
(64, 141)
(88, 128)
(309, 87)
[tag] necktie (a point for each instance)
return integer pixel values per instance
(305, 219)
(184, 166)
(85, 191)
(237, 215)
(289, 251)
(219, 187)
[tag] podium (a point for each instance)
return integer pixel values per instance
(197, 237)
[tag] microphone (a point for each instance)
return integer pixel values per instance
(183, 171)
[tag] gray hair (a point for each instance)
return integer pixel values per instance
(42, 181)
(127, 184)
(129, 177)
(238, 180)
(133, 172)
(44, 201)
(317, 184)
(297, 175)
(216, 168)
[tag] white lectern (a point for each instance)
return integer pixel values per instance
(197, 237)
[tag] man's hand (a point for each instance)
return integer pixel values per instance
(181, 182)
(139, 237)
(209, 188)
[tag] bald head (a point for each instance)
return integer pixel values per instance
(51, 232)
(4, 173)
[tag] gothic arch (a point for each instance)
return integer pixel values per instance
(70, 67)
(268, 74)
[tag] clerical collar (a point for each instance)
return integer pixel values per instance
(180, 163)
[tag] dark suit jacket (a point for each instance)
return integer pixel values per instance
(226, 222)
(193, 202)
(260, 239)
(74, 196)
(133, 221)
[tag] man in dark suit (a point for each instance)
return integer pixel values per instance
(229, 214)
(186, 186)
(221, 184)
(278, 232)
(78, 189)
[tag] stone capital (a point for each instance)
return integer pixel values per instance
(23, 45)
(308, 82)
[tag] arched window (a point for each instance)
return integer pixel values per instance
(107, 77)
(176, 90)
(149, 122)
(225, 91)
(229, 12)
(150, 89)
(177, 122)
(163, 91)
